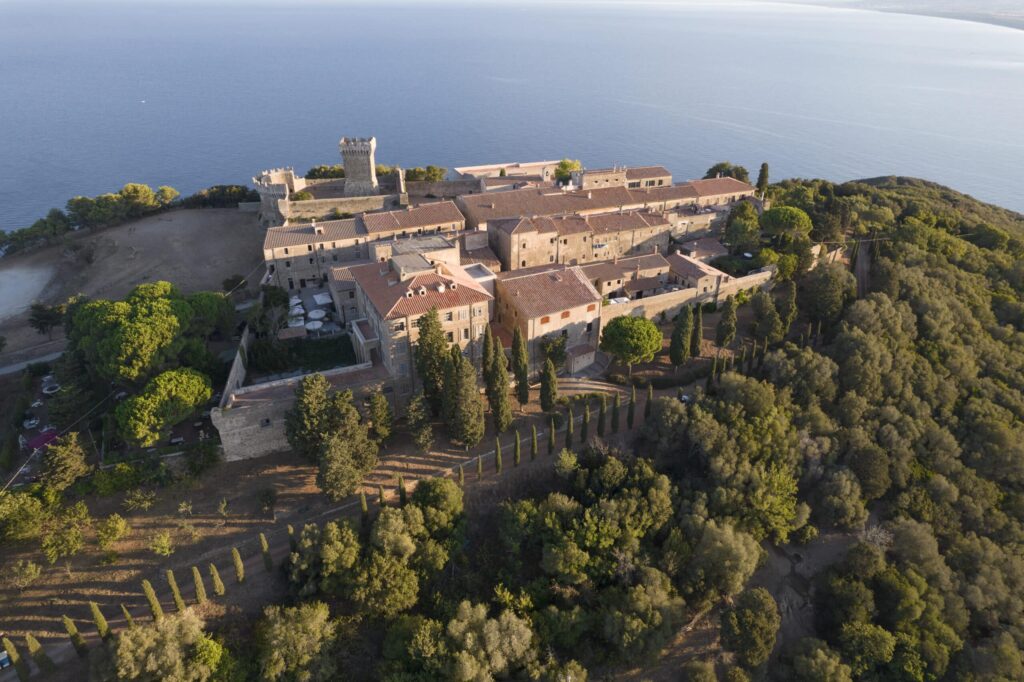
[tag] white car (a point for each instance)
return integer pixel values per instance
(37, 403)
(747, 255)
(30, 423)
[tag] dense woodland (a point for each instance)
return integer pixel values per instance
(896, 418)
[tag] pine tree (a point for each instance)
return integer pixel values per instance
(551, 436)
(239, 565)
(77, 641)
(127, 616)
(268, 561)
(417, 416)
(501, 407)
(39, 655)
(698, 331)
(616, 408)
(102, 627)
(533, 442)
(569, 431)
(179, 602)
(197, 580)
(20, 665)
(218, 584)
(154, 604)
(762, 179)
(602, 416)
(292, 542)
(648, 402)
(517, 453)
(429, 354)
(497, 455)
(402, 495)
(679, 346)
(631, 410)
(467, 424)
(520, 367)
(462, 477)
(725, 332)
(381, 417)
(548, 387)
(585, 429)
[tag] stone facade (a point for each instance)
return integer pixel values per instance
(357, 155)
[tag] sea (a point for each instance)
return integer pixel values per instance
(190, 94)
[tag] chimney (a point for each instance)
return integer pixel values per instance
(590, 195)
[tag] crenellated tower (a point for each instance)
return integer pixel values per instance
(357, 154)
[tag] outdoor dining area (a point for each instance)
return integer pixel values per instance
(312, 313)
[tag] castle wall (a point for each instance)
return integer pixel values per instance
(446, 189)
(322, 208)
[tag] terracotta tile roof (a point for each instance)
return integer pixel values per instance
(705, 247)
(611, 270)
(542, 202)
(719, 186)
(424, 215)
(643, 284)
(603, 223)
(390, 295)
(524, 224)
(306, 233)
(572, 224)
(684, 266)
(548, 291)
(647, 172)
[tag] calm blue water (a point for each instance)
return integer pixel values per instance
(94, 95)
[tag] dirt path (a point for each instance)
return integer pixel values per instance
(262, 588)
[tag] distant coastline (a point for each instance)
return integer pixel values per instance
(1012, 19)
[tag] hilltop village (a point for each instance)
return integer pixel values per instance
(553, 252)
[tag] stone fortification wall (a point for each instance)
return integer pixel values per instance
(236, 376)
(673, 301)
(319, 208)
(255, 427)
(448, 189)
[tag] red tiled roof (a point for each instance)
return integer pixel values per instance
(647, 172)
(548, 291)
(626, 220)
(609, 270)
(719, 186)
(642, 284)
(424, 215)
(389, 294)
(306, 233)
(686, 266)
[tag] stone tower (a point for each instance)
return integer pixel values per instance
(360, 167)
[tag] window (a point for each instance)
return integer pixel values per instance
(265, 422)
(310, 261)
(479, 329)
(286, 250)
(351, 294)
(592, 307)
(272, 267)
(416, 323)
(287, 263)
(449, 336)
(398, 327)
(552, 241)
(565, 241)
(334, 245)
(565, 314)
(524, 245)
(463, 314)
(545, 319)
(465, 334)
(448, 317)
(522, 264)
(590, 327)
(321, 245)
(551, 259)
(309, 247)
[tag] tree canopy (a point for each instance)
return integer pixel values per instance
(631, 339)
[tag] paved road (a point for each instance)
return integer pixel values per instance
(18, 366)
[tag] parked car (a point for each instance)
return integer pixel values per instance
(121, 395)
(177, 440)
(49, 379)
(51, 389)
(37, 403)
(747, 255)
(5, 659)
(685, 398)
(30, 423)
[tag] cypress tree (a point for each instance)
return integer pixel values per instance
(787, 309)
(631, 410)
(467, 424)
(497, 394)
(479, 468)
(197, 580)
(154, 604)
(20, 666)
(725, 332)
(179, 603)
(616, 407)
(127, 616)
(462, 477)
(76, 638)
(429, 354)
(497, 455)
(218, 584)
(102, 627)
(762, 179)
(741, 364)
(569, 430)
(520, 367)
(402, 498)
(268, 561)
(517, 453)
(239, 565)
(551, 436)
(585, 429)
(714, 366)
(548, 387)
(452, 377)
(364, 507)
(380, 494)
(292, 542)
(602, 415)
(533, 442)
(679, 346)
(487, 357)
(42, 659)
(647, 403)
(698, 331)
